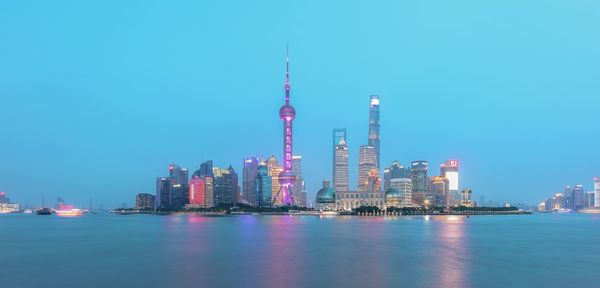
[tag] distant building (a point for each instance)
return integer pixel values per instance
(420, 195)
(325, 198)
(567, 198)
(163, 193)
(298, 190)
(249, 172)
(367, 160)
(274, 171)
(395, 171)
(3, 198)
(449, 170)
(439, 188)
(373, 181)
(588, 199)
(597, 192)
(349, 200)
(201, 192)
(225, 186)
(263, 186)
(179, 174)
(145, 201)
(578, 194)
(6, 206)
(404, 187)
(374, 136)
(340, 161)
(465, 199)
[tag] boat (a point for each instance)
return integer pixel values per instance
(43, 211)
(69, 211)
(27, 211)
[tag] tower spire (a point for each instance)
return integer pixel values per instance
(287, 75)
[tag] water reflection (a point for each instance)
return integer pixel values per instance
(453, 249)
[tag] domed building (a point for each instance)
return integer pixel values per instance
(325, 199)
(393, 198)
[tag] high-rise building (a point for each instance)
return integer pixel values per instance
(225, 186)
(179, 174)
(418, 175)
(374, 136)
(145, 201)
(298, 190)
(367, 160)
(179, 196)
(3, 198)
(274, 171)
(567, 198)
(340, 163)
(373, 181)
(597, 192)
(438, 187)
(263, 186)
(404, 187)
(248, 177)
(449, 170)
(286, 178)
(465, 199)
(578, 194)
(201, 187)
(396, 170)
(588, 199)
(163, 192)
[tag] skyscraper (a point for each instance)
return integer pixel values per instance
(367, 160)
(340, 163)
(465, 199)
(163, 193)
(395, 171)
(418, 171)
(578, 195)
(248, 177)
(298, 190)
(224, 186)
(262, 186)
(145, 201)
(179, 174)
(597, 191)
(286, 178)
(274, 170)
(374, 136)
(438, 187)
(449, 170)
(201, 186)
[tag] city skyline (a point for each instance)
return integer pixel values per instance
(82, 111)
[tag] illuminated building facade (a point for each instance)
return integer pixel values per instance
(163, 192)
(404, 187)
(248, 177)
(465, 199)
(340, 161)
(274, 171)
(373, 181)
(145, 201)
(374, 136)
(449, 170)
(348, 200)
(367, 160)
(438, 187)
(418, 173)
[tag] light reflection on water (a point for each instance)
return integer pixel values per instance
(300, 251)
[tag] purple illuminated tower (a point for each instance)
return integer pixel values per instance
(287, 178)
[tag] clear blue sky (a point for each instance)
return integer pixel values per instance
(99, 96)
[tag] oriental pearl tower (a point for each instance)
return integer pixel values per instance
(287, 178)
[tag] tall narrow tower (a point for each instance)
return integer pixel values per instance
(374, 136)
(287, 178)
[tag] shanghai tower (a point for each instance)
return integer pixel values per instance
(374, 136)
(287, 178)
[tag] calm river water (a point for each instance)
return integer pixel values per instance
(542, 250)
